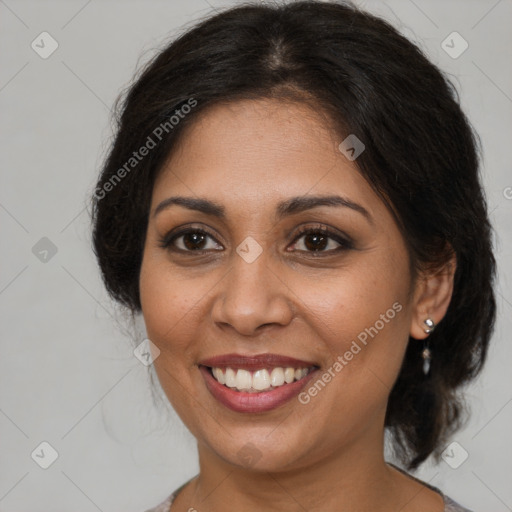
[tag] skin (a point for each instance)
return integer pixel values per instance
(248, 156)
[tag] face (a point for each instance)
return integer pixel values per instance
(265, 266)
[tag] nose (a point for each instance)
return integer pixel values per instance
(252, 296)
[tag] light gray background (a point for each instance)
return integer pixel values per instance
(68, 375)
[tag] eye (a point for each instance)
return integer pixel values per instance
(315, 240)
(189, 240)
(320, 240)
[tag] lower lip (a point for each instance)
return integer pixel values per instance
(240, 401)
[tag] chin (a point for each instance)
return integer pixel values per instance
(261, 453)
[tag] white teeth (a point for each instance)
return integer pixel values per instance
(277, 377)
(230, 378)
(219, 375)
(260, 380)
(243, 379)
(289, 375)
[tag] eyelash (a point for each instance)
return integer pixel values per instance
(345, 243)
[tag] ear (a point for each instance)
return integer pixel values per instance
(432, 294)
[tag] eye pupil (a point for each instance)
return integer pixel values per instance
(192, 240)
(318, 241)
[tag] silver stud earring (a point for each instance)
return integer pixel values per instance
(427, 354)
(430, 325)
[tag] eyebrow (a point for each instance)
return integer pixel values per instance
(284, 209)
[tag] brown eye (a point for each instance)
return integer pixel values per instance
(320, 240)
(315, 241)
(190, 240)
(194, 241)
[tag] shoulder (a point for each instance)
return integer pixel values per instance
(165, 506)
(452, 506)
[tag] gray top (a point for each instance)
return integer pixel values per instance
(449, 504)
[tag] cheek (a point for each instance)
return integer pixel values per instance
(361, 320)
(361, 315)
(167, 304)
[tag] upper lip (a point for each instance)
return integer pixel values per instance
(255, 362)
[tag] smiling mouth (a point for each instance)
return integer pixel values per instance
(260, 380)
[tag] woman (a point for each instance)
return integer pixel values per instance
(292, 201)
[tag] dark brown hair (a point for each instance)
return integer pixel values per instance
(421, 157)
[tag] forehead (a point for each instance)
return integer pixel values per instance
(258, 152)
